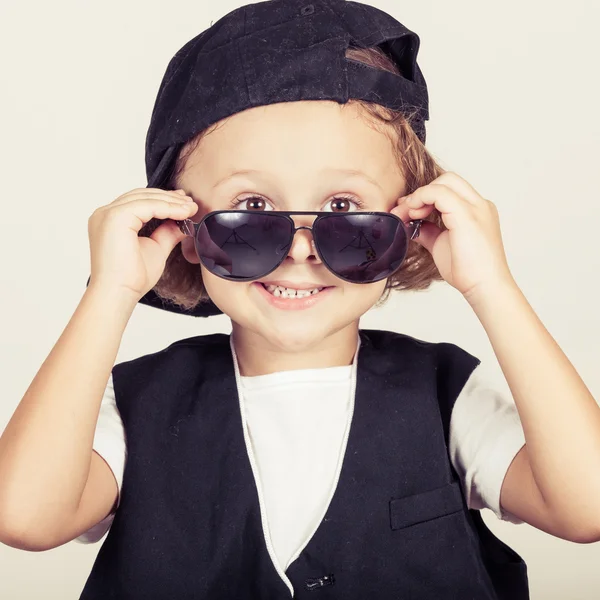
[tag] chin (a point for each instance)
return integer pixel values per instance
(294, 337)
(287, 334)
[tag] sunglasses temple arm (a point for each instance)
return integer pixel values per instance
(186, 226)
(414, 228)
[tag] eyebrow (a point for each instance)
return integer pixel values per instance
(351, 172)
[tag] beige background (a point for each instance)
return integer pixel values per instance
(514, 109)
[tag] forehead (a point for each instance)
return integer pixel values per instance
(296, 139)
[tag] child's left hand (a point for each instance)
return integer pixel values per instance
(470, 255)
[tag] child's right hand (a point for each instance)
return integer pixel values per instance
(119, 258)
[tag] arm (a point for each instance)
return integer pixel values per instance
(553, 482)
(53, 486)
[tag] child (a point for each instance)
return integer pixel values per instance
(300, 454)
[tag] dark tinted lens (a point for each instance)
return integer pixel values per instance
(243, 245)
(360, 247)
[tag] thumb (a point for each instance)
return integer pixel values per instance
(167, 236)
(428, 234)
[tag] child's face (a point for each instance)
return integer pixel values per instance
(295, 151)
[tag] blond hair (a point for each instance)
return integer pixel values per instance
(181, 281)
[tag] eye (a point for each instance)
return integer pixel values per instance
(250, 203)
(344, 203)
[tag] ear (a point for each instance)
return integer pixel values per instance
(189, 251)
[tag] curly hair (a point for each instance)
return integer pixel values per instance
(181, 281)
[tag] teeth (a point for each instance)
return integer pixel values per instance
(283, 292)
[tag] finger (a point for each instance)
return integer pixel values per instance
(158, 194)
(461, 186)
(167, 236)
(452, 206)
(420, 213)
(405, 213)
(428, 233)
(139, 212)
(143, 190)
(401, 211)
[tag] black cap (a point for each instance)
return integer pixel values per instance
(278, 51)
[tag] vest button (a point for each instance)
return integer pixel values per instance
(319, 582)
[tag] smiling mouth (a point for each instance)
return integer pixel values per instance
(280, 291)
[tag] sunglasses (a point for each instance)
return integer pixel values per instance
(358, 247)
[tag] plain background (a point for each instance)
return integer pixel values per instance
(514, 99)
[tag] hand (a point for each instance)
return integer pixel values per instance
(470, 254)
(119, 258)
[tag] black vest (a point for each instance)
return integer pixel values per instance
(189, 522)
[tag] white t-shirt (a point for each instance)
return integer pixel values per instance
(296, 425)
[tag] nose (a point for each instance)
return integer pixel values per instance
(303, 246)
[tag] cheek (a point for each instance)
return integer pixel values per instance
(225, 294)
(215, 286)
(359, 298)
